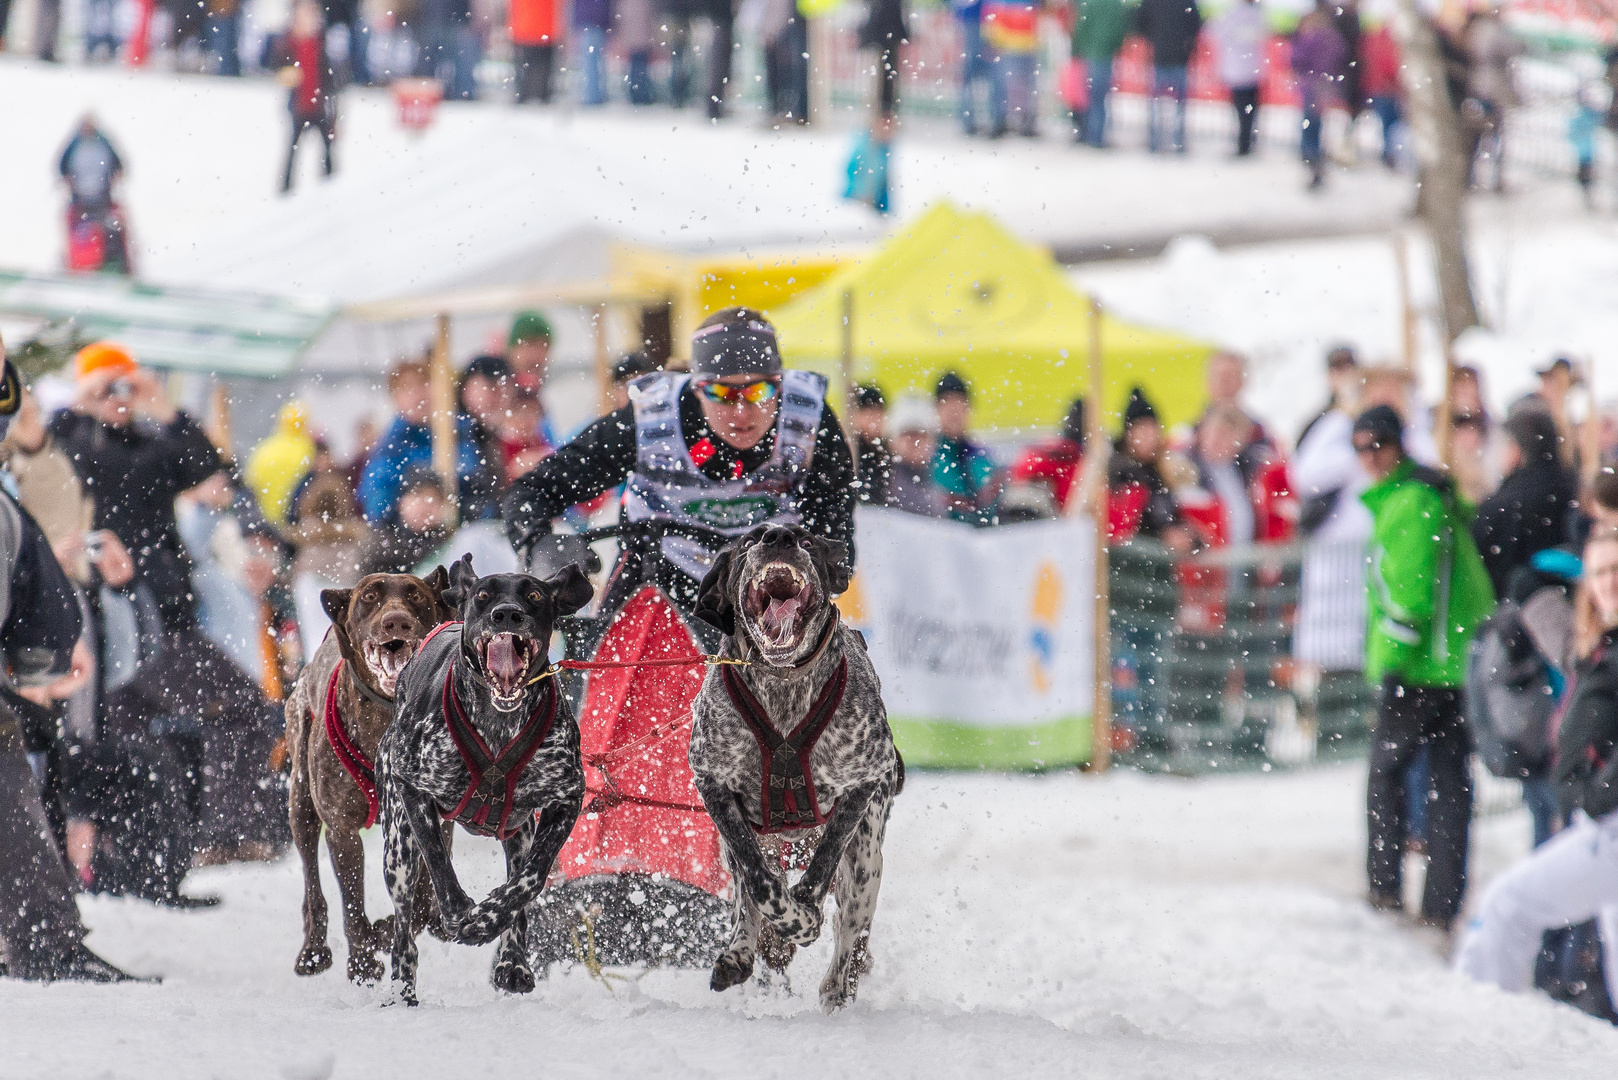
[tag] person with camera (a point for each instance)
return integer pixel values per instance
(135, 452)
(40, 931)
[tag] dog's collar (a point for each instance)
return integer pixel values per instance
(795, 670)
(376, 697)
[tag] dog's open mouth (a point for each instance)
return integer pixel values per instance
(386, 659)
(778, 603)
(506, 659)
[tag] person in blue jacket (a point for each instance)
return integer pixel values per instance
(409, 441)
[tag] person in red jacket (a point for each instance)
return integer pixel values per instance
(1383, 88)
(305, 69)
(1056, 462)
(536, 30)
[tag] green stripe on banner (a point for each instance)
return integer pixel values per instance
(943, 744)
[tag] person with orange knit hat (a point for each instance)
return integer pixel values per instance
(134, 452)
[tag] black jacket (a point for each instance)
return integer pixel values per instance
(1172, 27)
(603, 456)
(1587, 745)
(133, 474)
(1160, 512)
(1527, 515)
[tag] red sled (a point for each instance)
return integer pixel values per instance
(641, 879)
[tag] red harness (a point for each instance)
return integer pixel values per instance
(342, 743)
(788, 795)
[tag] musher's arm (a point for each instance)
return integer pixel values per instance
(599, 459)
(829, 496)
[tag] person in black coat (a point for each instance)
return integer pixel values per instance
(1171, 27)
(1529, 512)
(135, 452)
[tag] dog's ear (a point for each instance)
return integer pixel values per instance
(570, 589)
(336, 602)
(437, 582)
(714, 604)
(463, 582)
(831, 556)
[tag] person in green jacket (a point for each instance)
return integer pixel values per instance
(1428, 591)
(1099, 29)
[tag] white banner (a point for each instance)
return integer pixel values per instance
(983, 637)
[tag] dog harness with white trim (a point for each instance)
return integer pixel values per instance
(788, 796)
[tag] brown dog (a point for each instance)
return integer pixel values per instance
(336, 715)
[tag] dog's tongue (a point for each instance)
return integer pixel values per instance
(505, 662)
(780, 617)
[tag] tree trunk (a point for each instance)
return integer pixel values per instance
(1441, 151)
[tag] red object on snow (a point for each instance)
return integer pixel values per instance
(86, 244)
(636, 732)
(418, 102)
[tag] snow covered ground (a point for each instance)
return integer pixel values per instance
(1050, 926)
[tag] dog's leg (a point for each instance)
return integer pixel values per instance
(315, 956)
(418, 813)
(348, 861)
(512, 972)
(402, 870)
(424, 912)
(858, 880)
(735, 965)
(486, 921)
(765, 886)
(810, 891)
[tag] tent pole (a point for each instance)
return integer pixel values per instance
(603, 361)
(441, 387)
(1407, 310)
(1101, 707)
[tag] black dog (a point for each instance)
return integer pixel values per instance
(482, 737)
(793, 750)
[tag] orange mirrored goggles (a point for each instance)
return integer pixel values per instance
(754, 393)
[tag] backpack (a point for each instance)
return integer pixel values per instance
(1509, 697)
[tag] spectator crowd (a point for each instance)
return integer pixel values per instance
(1481, 599)
(1333, 59)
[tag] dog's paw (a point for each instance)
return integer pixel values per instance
(381, 935)
(512, 976)
(313, 959)
(837, 993)
(731, 969)
(365, 969)
(799, 923)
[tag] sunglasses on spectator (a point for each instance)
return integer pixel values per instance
(754, 393)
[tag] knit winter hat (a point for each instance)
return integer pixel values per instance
(951, 383)
(1138, 408)
(1383, 424)
(529, 326)
(101, 356)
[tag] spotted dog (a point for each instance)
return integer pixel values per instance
(481, 737)
(792, 751)
(336, 715)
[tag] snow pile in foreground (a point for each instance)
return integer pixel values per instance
(1122, 927)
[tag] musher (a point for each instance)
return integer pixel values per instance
(734, 443)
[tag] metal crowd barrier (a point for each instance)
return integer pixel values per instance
(1204, 675)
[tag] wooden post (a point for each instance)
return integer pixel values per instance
(219, 426)
(845, 372)
(1591, 448)
(1101, 720)
(441, 386)
(603, 361)
(1446, 415)
(1407, 307)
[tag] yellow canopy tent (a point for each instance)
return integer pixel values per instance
(956, 291)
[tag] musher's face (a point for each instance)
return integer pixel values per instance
(742, 420)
